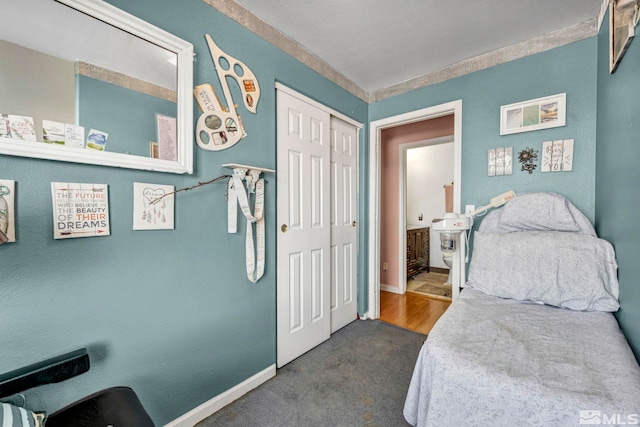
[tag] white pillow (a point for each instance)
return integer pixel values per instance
(545, 212)
(569, 270)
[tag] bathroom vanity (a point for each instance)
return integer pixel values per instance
(417, 250)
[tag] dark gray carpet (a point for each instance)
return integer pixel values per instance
(359, 377)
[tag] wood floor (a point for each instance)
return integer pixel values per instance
(411, 310)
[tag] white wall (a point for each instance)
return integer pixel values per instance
(428, 170)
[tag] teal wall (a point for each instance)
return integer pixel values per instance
(169, 313)
(128, 116)
(618, 175)
(600, 106)
(569, 69)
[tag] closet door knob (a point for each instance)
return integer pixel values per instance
(284, 228)
(353, 224)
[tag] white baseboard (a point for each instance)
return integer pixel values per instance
(388, 288)
(210, 407)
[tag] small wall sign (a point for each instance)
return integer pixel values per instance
(153, 206)
(80, 210)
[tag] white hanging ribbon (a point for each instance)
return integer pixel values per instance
(235, 191)
(232, 210)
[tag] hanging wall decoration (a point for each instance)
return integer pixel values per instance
(221, 127)
(528, 157)
(500, 161)
(80, 210)
(237, 195)
(535, 114)
(623, 18)
(7, 214)
(557, 156)
(153, 206)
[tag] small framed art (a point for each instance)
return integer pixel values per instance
(540, 113)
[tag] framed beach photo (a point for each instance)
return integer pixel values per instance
(535, 114)
(623, 18)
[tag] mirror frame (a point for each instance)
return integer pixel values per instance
(184, 138)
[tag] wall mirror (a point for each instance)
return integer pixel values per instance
(83, 81)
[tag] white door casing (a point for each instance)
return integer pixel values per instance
(344, 244)
(303, 184)
(375, 129)
(402, 206)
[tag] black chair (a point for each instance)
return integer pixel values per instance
(116, 406)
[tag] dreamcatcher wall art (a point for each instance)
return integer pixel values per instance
(153, 206)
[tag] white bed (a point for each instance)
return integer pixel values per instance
(506, 361)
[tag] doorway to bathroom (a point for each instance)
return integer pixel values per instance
(426, 192)
(387, 238)
(425, 167)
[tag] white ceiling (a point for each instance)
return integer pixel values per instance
(381, 43)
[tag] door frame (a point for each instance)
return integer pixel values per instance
(402, 208)
(375, 130)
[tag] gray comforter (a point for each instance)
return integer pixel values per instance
(499, 362)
